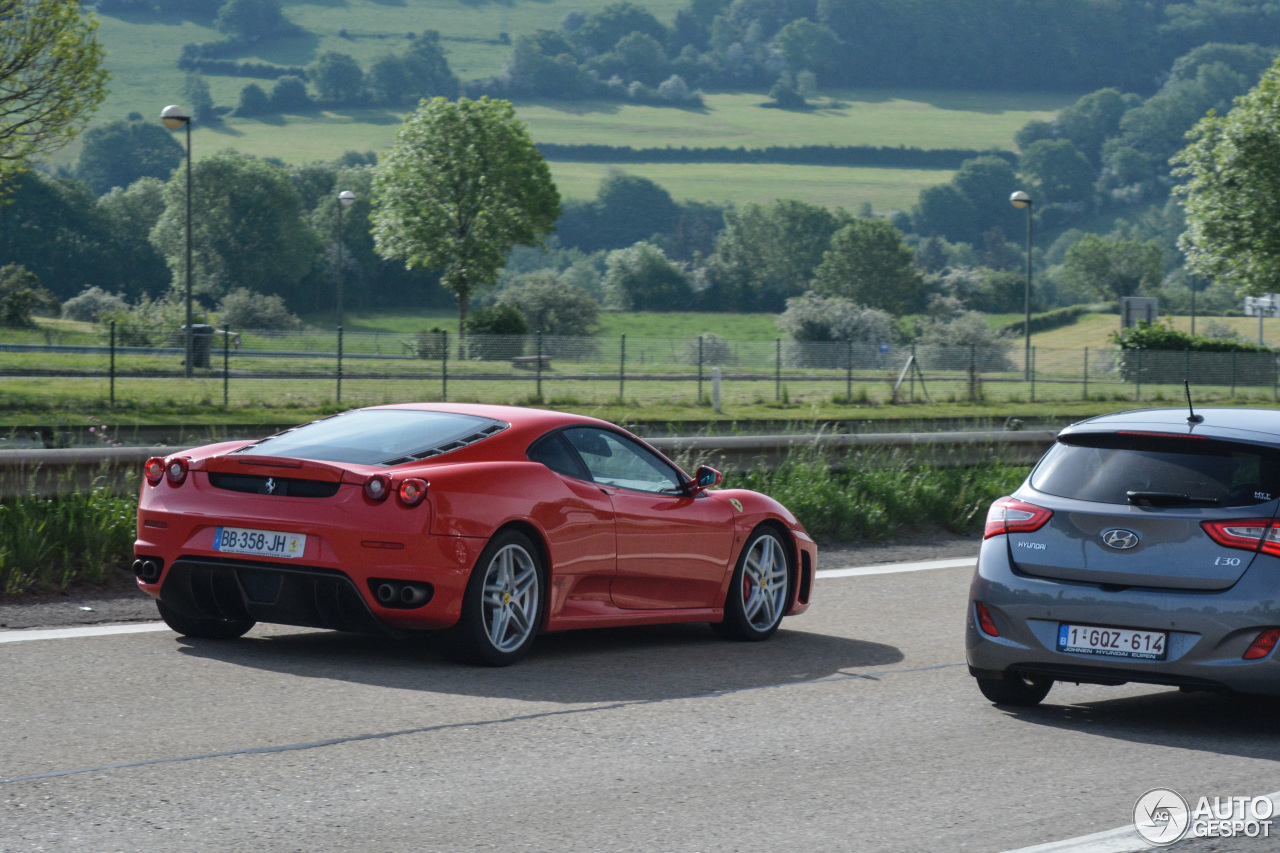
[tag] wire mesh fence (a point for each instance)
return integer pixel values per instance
(309, 368)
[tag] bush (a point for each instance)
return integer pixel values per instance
(821, 328)
(18, 286)
(254, 101)
(495, 333)
(715, 350)
(643, 278)
(92, 303)
(1159, 354)
(430, 345)
(241, 308)
(960, 341)
(551, 305)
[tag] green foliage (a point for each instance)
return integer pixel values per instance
(494, 333)
(196, 91)
(868, 263)
(1058, 172)
(462, 185)
(1162, 336)
(51, 78)
(92, 304)
(48, 544)
(551, 305)
(807, 46)
(338, 78)
(118, 153)
(1231, 191)
(289, 95)
(602, 30)
(422, 72)
(247, 227)
(1049, 320)
(243, 309)
(861, 501)
(1111, 268)
(18, 297)
(643, 278)
(254, 101)
(626, 210)
(249, 20)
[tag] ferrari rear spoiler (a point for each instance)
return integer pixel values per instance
(272, 466)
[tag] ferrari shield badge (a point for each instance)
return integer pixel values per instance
(737, 504)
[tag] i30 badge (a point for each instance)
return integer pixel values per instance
(1119, 538)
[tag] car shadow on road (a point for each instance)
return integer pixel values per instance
(616, 664)
(1209, 722)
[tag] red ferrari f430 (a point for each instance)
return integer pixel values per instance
(488, 523)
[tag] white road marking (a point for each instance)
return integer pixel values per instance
(895, 568)
(26, 636)
(1125, 839)
(23, 636)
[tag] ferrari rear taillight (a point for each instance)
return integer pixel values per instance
(412, 491)
(1262, 644)
(1009, 515)
(377, 487)
(175, 469)
(1246, 534)
(154, 470)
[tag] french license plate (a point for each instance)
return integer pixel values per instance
(1112, 642)
(262, 543)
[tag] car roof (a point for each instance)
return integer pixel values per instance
(1256, 426)
(524, 421)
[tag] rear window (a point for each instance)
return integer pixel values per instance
(378, 437)
(1118, 468)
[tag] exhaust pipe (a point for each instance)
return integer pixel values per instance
(411, 595)
(147, 570)
(386, 593)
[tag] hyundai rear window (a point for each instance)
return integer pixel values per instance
(1146, 469)
(378, 437)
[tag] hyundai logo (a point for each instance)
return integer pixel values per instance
(1120, 539)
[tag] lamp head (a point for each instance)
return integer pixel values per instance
(347, 197)
(1020, 200)
(174, 116)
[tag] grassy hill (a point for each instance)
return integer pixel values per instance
(143, 51)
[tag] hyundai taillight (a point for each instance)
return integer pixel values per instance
(1262, 644)
(154, 470)
(1246, 534)
(412, 491)
(175, 469)
(377, 487)
(1009, 515)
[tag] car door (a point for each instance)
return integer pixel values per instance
(673, 549)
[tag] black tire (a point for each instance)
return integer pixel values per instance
(755, 603)
(205, 629)
(512, 569)
(1013, 689)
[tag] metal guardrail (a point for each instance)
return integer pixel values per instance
(50, 472)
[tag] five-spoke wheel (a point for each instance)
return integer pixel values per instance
(760, 589)
(502, 607)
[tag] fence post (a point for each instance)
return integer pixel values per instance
(973, 373)
(1275, 377)
(912, 372)
(339, 364)
(699, 370)
(444, 365)
(777, 369)
(1233, 374)
(848, 371)
(226, 368)
(1033, 374)
(113, 362)
(1086, 374)
(1138, 353)
(539, 363)
(622, 370)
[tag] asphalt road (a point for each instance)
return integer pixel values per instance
(856, 728)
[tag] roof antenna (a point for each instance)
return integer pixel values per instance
(1192, 418)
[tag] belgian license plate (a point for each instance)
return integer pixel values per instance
(1112, 642)
(262, 543)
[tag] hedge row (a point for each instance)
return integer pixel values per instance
(798, 155)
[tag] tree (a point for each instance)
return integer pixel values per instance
(250, 20)
(551, 305)
(869, 264)
(1113, 268)
(808, 46)
(1231, 191)
(253, 101)
(642, 278)
(462, 184)
(247, 227)
(18, 287)
(602, 30)
(428, 70)
(196, 90)
(1058, 172)
(338, 78)
(1091, 121)
(51, 78)
(118, 153)
(289, 94)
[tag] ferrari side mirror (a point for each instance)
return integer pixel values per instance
(707, 477)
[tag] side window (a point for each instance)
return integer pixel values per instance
(614, 461)
(554, 452)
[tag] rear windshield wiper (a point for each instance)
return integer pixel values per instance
(1169, 499)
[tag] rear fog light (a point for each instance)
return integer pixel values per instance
(986, 623)
(1263, 644)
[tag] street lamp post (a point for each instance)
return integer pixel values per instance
(346, 198)
(1021, 200)
(175, 117)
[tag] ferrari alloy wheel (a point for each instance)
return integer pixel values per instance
(1014, 689)
(760, 589)
(205, 629)
(502, 607)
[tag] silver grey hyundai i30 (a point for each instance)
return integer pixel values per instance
(1144, 547)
